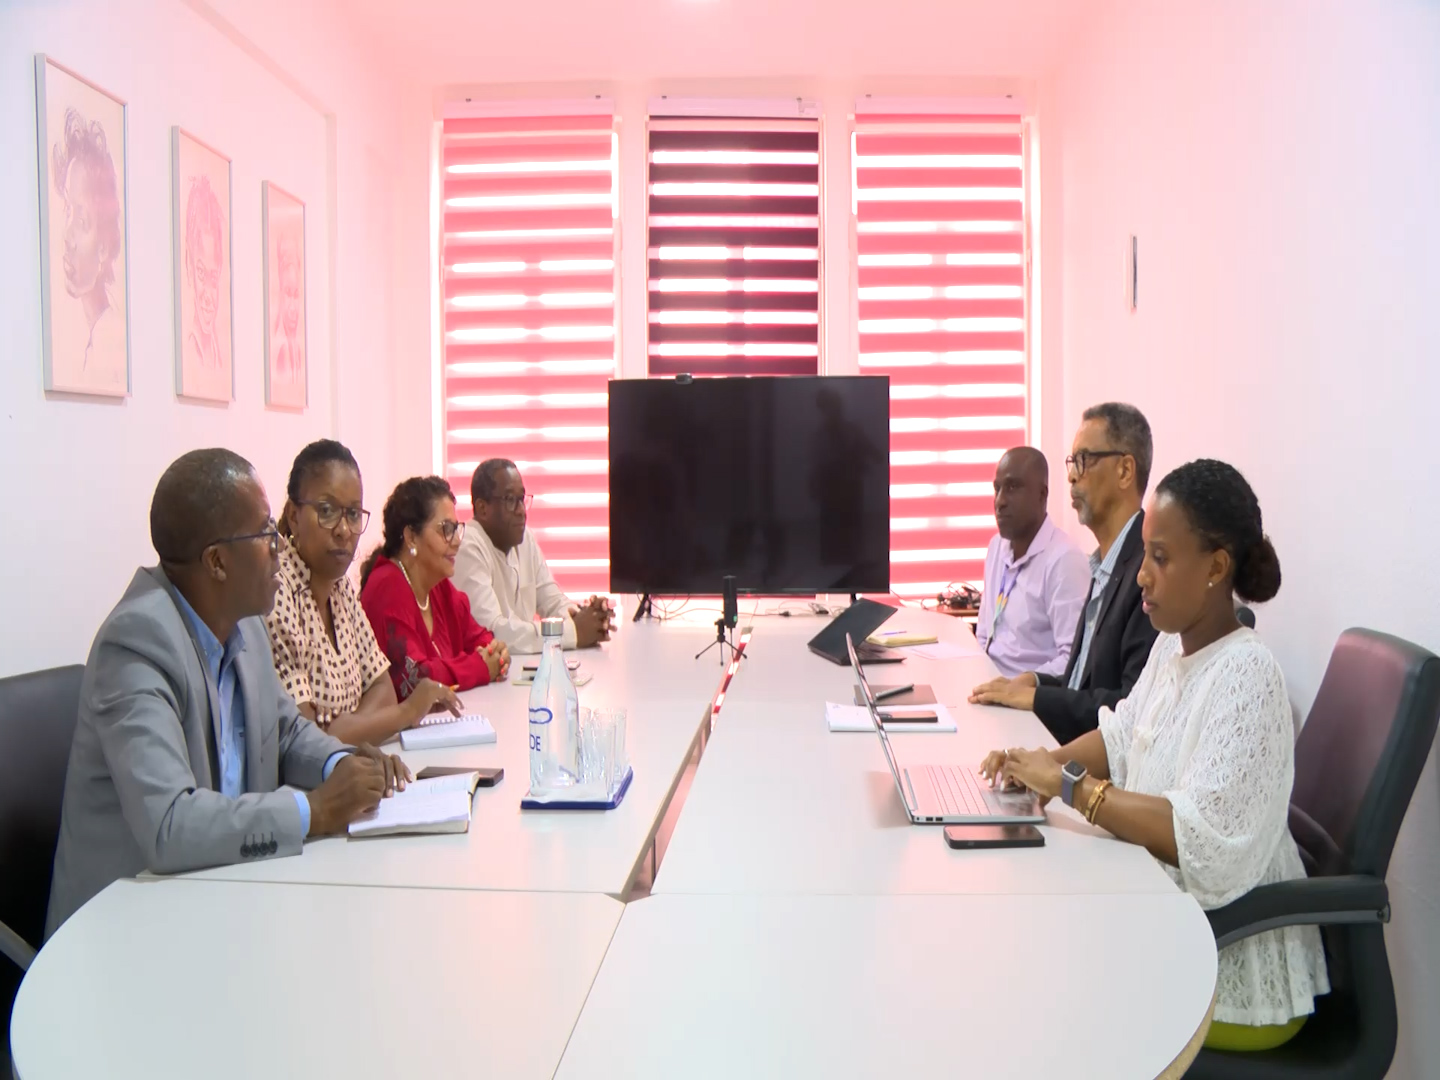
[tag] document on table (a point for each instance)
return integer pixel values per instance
(857, 718)
(438, 805)
(442, 729)
(945, 650)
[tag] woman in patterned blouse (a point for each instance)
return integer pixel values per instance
(325, 652)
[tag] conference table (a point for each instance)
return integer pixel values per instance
(797, 925)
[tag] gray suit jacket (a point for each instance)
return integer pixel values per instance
(140, 791)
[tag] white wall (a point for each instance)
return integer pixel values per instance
(1278, 163)
(289, 99)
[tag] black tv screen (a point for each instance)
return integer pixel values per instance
(783, 482)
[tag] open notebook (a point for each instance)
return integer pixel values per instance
(438, 805)
(441, 729)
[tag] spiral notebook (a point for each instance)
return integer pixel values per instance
(441, 729)
(438, 805)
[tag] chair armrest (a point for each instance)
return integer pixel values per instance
(16, 948)
(1322, 901)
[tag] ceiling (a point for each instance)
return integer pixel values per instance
(464, 42)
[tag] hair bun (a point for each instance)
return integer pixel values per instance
(1257, 577)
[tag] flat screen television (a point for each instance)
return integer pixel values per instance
(782, 482)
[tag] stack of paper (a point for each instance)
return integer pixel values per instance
(438, 805)
(895, 638)
(857, 718)
(442, 730)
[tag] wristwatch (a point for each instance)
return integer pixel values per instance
(1070, 777)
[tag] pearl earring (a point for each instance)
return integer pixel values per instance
(412, 552)
(1208, 584)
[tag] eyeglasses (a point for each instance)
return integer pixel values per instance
(271, 533)
(451, 530)
(328, 515)
(1080, 461)
(511, 503)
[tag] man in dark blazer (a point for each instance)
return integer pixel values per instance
(1109, 469)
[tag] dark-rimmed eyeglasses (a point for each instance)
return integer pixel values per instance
(270, 533)
(451, 531)
(512, 503)
(1080, 461)
(328, 515)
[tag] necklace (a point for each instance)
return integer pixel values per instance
(424, 604)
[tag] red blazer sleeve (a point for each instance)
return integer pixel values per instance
(466, 667)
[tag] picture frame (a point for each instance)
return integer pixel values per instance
(82, 140)
(202, 203)
(286, 323)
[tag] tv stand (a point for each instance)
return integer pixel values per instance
(646, 608)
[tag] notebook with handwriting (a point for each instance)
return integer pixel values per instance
(438, 805)
(441, 729)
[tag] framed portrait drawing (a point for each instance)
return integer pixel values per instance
(84, 249)
(283, 218)
(204, 327)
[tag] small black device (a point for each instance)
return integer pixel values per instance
(729, 619)
(993, 836)
(731, 611)
(859, 620)
(488, 777)
(908, 718)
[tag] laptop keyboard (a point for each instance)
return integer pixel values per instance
(957, 790)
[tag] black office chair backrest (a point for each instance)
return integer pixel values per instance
(1360, 753)
(37, 724)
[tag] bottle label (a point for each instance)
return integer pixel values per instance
(541, 715)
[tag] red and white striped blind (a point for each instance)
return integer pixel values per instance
(528, 265)
(941, 251)
(734, 247)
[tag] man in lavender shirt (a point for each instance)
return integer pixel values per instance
(1036, 579)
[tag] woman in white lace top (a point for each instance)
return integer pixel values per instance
(1198, 762)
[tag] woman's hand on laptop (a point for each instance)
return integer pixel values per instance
(1016, 769)
(1016, 693)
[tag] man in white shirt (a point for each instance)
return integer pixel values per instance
(1036, 579)
(502, 571)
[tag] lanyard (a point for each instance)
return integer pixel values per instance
(1002, 601)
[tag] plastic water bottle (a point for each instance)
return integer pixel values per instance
(554, 716)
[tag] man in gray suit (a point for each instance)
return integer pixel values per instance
(185, 734)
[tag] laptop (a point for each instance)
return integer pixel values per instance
(947, 794)
(859, 620)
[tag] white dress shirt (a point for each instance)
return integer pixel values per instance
(508, 591)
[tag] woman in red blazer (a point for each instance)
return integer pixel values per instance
(423, 623)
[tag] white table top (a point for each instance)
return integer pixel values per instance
(219, 979)
(800, 925)
(782, 805)
(651, 670)
(900, 986)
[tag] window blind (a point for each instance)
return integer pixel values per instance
(941, 277)
(528, 270)
(734, 246)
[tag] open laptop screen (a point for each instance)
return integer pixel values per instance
(869, 697)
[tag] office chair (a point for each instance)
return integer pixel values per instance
(1357, 762)
(38, 711)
